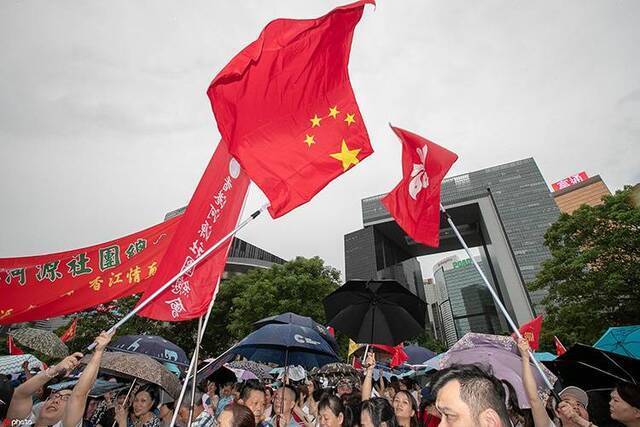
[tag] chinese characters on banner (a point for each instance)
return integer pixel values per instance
(52, 285)
(569, 181)
(211, 214)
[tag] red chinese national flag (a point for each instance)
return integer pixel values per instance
(286, 109)
(211, 214)
(415, 202)
(14, 350)
(70, 332)
(531, 331)
(560, 348)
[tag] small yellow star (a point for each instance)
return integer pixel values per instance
(309, 140)
(346, 156)
(350, 119)
(333, 112)
(315, 121)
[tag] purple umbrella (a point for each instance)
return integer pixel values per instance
(501, 354)
(418, 355)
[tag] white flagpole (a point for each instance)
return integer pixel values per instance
(183, 271)
(496, 299)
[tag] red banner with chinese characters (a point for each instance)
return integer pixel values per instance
(211, 214)
(44, 286)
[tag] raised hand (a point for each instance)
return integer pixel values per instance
(103, 340)
(523, 347)
(68, 364)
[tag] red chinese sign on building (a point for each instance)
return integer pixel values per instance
(44, 286)
(569, 181)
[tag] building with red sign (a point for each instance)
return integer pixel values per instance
(577, 190)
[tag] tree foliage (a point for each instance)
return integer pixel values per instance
(298, 286)
(593, 277)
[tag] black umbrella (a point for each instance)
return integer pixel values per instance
(296, 319)
(153, 346)
(286, 344)
(375, 312)
(591, 368)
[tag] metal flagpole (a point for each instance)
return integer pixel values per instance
(195, 358)
(496, 299)
(164, 287)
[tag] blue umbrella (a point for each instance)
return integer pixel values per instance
(544, 356)
(624, 340)
(296, 319)
(286, 344)
(417, 354)
(153, 346)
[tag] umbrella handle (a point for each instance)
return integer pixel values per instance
(126, 398)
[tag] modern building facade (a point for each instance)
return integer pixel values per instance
(586, 192)
(504, 210)
(464, 302)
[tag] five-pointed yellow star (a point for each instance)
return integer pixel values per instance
(333, 112)
(346, 156)
(309, 140)
(350, 119)
(315, 121)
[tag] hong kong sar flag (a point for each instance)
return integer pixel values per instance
(286, 109)
(415, 202)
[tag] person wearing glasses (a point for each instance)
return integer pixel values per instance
(64, 408)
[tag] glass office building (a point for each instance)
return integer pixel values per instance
(505, 209)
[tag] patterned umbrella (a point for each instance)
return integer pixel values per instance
(258, 369)
(46, 342)
(13, 364)
(500, 353)
(132, 365)
(337, 369)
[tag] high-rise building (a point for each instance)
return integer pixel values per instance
(503, 210)
(577, 190)
(464, 301)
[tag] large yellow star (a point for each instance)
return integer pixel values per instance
(350, 119)
(333, 112)
(309, 140)
(346, 156)
(315, 121)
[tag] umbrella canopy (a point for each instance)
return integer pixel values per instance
(140, 366)
(13, 364)
(417, 354)
(624, 340)
(242, 374)
(286, 344)
(337, 368)
(296, 319)
(500, 353)
(153, 346)
(591, 368)
(258, 369)
(375, 311)
(46, 342)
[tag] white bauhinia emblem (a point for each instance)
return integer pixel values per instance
(419, 177)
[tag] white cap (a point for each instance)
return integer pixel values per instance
(577, 393)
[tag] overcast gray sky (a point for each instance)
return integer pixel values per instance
(105, 125)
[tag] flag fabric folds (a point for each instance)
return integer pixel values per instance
(415, 202)
(560, 348)
(531, 331)
(211, 214)
(14, 350)
(286, 109)
(70, 332)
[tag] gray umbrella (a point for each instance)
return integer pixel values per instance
(132, 365)
(45, 342)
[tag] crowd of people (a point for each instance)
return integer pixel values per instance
(462, 395)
